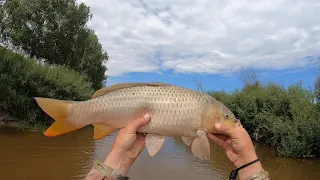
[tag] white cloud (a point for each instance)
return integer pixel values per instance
(213, 36)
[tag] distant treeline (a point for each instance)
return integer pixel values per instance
(286, 118)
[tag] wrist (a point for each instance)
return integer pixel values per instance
(249, 170)
(118, 161)
(244, 159)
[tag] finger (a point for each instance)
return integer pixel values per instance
(141, 138)
(222, 136)
(140, 135)
(225, 129)
(216, 139)
(226, 144)
(135, 125)
(137, 149)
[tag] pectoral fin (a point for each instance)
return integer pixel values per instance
(154, 143)
(187, 140)
(200, 146)
(101, 130)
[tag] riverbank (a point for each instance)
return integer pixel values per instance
(7, 121)
(22, 79)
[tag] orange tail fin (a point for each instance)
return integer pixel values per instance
(58, 110)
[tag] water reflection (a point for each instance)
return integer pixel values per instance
(26, 155)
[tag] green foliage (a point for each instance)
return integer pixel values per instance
(317, 91)
(286, 118)
(55, 31)
(91, 57)
(22, 79)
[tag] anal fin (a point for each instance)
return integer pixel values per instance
(101, 130)
(187, 140)
(200, 146)
(154, 143)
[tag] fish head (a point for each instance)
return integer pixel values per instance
(218, 113)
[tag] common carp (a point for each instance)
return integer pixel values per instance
(175, 112)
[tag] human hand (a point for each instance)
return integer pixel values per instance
(127, 146)
(238, 147)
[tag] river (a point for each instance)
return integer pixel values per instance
(27, 155)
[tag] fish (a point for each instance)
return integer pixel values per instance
(175, 112)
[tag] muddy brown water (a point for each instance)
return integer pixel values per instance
(26, 155)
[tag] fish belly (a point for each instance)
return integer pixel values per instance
(174, 111)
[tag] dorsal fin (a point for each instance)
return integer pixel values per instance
(105, 90)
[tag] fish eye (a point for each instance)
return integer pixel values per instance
(226, 115)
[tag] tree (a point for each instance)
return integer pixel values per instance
(249, 78)
(199, 85)
(56, 32)
(90, 55)
(317, 89)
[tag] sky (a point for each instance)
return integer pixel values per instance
(181, 42)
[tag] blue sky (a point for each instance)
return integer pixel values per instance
(180, 41)
(222, 82)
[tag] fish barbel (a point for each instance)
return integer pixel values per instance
(175, 112)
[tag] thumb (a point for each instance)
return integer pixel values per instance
(225, 129)
(136, 124)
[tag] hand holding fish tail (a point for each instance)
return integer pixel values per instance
(238, 147)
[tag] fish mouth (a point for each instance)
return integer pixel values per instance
(238, 124)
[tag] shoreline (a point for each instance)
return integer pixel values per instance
(7, 121)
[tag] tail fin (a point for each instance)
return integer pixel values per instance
(58, 110)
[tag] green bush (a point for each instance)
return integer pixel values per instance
(286, 118)
(21, 79)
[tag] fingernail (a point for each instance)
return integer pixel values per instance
(146, 116)
(218, 125)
